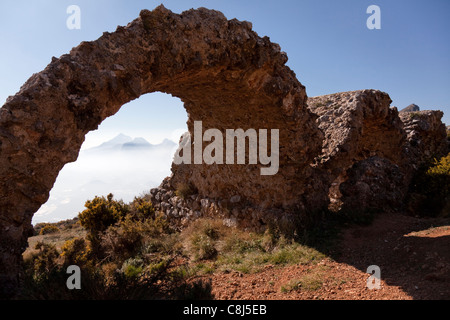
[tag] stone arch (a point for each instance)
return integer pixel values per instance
(225, 74)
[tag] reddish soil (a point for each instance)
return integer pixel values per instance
(412, 253)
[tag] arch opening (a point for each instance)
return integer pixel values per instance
(128, 154)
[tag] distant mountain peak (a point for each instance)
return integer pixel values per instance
(117, 140)
(167, 142)
(411, 108)
(137, 143)
(127, 143)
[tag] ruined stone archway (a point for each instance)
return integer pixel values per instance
(225, 74)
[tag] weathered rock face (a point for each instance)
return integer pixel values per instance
(225, 74)
(357, 125)
(370, 151)
(426, 136)
(373, 183)
(411, 108)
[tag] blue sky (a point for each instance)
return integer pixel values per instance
(327, 42)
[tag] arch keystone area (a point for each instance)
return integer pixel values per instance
(226, 75)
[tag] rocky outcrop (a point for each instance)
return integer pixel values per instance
(338, 148)
(411, 108)
(426, 136)
(372, 184)
(371, 152)
(357, 125)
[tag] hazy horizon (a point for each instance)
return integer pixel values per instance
(105, 169)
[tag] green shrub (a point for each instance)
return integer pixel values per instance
(76, 252)
(135, 279)
(48, 229)
(100, 213)
(156, 267)
(439, 180)
(130, 237)
(130, 253)
(133, 267)
(238, 245)
(142, 209)
(430, 191)
(202, 236)
(158, 280)
(441, 167)
(203, 247)
(43, 262)
(165, 245)
(195, 290)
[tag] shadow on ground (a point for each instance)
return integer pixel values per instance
(412, 253)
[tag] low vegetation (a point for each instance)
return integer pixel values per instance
(308, 282)
(211, 246)
(63, 231)
(129, 251)
(430, 191)
(126, 252)
(48, 229)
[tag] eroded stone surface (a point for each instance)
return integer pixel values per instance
(357, 125)
(426, 136)
(373, 183)
(411, 108)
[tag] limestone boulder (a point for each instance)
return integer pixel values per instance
(357, 125)
(373, 184)
(426, 136)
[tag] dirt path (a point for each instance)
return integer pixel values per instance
(413, 256)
